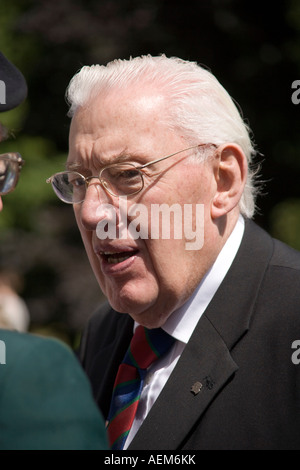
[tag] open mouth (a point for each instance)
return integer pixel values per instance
(115, 258)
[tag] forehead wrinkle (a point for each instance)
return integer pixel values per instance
(97, 162)
(123, 156)
(98, 159)
(79, 154)
(89, 155)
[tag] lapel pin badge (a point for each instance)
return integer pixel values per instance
(196, 388)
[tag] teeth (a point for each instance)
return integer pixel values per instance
(113, 258)
(117, 260)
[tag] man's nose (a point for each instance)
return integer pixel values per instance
(97, 206)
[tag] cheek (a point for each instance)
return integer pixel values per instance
(167, 260)
(76, 211)
(86, 235)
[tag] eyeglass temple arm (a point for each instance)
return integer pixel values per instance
(172, 154)
(14, 157)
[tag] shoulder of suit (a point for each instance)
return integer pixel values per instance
(285, 256)
(281, 254)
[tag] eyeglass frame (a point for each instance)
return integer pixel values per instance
(139, 168)
(14, 157)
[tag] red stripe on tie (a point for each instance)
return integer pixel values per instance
(128, 384)
(125, 374)
(141, 350)
(124, 421)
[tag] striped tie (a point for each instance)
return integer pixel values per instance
(146, 346)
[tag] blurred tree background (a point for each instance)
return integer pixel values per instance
(252, 47)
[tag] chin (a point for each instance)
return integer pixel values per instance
(127, 302)
(133, 307)
(144, 313)
(133, 296)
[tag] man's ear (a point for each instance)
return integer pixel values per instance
(230, 172)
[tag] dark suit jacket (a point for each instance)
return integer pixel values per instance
(46, 402)
(240, 352)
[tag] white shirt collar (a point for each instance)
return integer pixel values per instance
(182, 322)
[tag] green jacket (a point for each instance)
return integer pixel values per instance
(46, 401)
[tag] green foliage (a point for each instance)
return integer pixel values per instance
(285, 222)
(252, 47)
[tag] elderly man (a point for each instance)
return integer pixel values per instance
(45, 400)
(156, 138)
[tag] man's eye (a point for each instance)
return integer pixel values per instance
(77, 182)
(129, 174)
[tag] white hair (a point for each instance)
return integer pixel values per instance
(198, 105)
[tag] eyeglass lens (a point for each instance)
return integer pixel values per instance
(69, 187)
(9, 173)
(122, 179)
(119, 180)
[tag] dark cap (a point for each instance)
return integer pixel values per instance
(13, 87)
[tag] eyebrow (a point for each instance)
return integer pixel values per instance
(73, 166)
(123, 156)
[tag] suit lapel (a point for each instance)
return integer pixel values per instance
(178, 407)
(206, 359)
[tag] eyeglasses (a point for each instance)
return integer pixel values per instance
(10, 167)
(118, 179)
